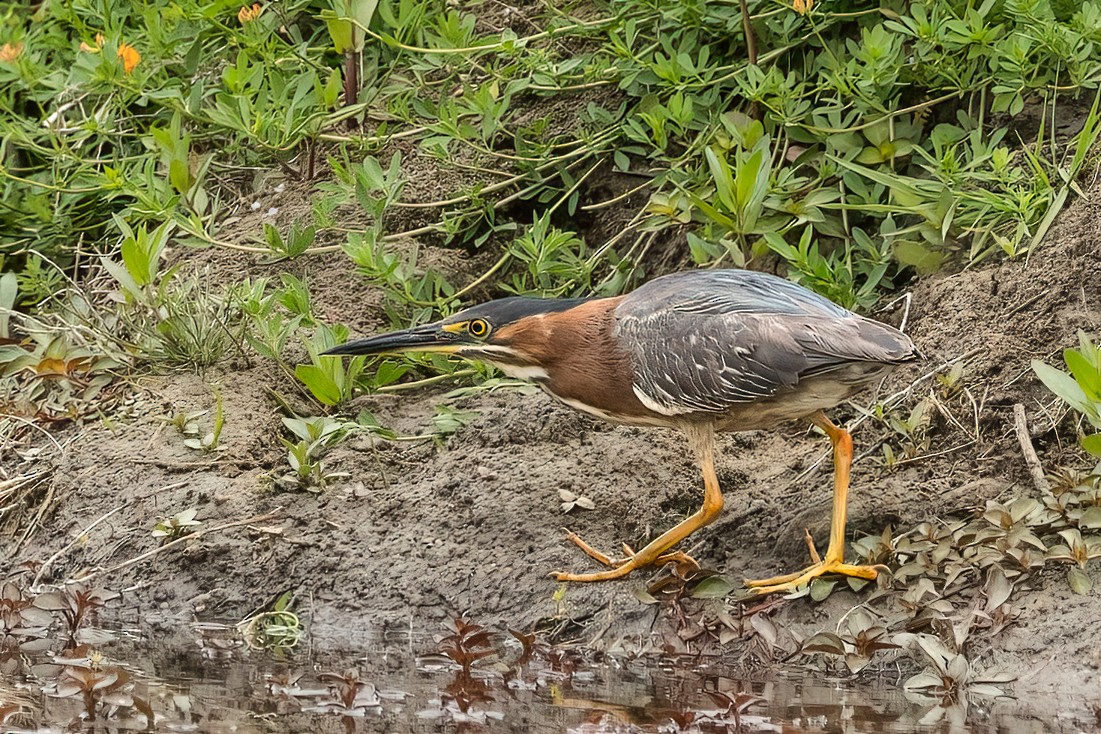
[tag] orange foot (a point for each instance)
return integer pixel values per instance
(619, 569)
(819, 567)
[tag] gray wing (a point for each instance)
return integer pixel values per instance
(707, 340)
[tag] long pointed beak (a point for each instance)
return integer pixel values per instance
(427, 338)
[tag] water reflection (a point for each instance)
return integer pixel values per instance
(215, 685)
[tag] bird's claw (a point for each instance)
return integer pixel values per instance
(620, 568)
(792, 581)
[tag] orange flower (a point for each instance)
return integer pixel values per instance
(802, 6)
(248, 14)
(9, 52)
(130, 57)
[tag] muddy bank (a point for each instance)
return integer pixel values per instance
(421, 530)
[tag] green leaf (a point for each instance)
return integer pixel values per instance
(1060, 383)
(1092, 444)
(340, 30)
(119, 273)
(389, 372)
(1085, 374)
(9, 288)
(820, 589)
(622, 161)
(1080, 582)
(702, 251)
(870, 155)
(746, 179)
(712, 587)
(924, 259)
(319, 383)
(723, 179)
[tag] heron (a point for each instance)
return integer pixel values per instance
(701, 351)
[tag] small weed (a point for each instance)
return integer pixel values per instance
(101, 686)
(315, 437)
(186, 424)
(211, 440)
(298, 240)
(78, 607)
(465, 643)
(349, 695)
(571, 501)
(23, 624)
(448, 420)
(276, 629)
(175, 527)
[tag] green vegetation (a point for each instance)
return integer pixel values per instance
(566, 152)
(276, 629)
(175, 527)
(1081, 389)
(854, 143)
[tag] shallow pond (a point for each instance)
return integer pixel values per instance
(217, 685)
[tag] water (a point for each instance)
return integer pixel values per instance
(216, 685)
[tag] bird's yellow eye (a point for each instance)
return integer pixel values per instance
(478, 328)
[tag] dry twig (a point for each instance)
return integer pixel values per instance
(1035, 468)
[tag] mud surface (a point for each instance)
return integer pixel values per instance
(419, 531)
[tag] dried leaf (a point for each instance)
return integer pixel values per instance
(856, 662)
(935, 649)
(958, 668)
(765, 628)
(985, 689)
(52, 601)
(998, 588)
(1091, 518)
(727, 635)
(826, 642)
(922, 680)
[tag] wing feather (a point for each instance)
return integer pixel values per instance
(704, 341)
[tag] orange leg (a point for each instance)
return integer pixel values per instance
(834, 560)
(657, 551)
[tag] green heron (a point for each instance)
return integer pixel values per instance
(702, 351)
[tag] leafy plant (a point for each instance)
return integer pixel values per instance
(349, 694)
(950, 674)
(100, 686)
(447, 420)
(1081, 389)
(316, 436)
(175, 527)
(298, 240)
(553, 261)
(77, 605)
(331, 380)
(465, 643)
(211, 440)
(276, 629)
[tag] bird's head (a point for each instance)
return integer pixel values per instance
(498, 331)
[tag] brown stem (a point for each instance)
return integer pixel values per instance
(750, 39)
(351, 78)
